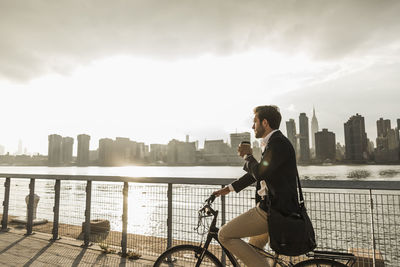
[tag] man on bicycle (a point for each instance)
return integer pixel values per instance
(275, 177)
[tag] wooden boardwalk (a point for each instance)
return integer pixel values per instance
(16, 249)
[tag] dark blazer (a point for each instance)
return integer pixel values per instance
(278, 168)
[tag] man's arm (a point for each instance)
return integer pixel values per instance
(243, 182)
(237, 185)
(273, 158)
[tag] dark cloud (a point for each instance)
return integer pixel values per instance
(54, 36)
(373, 93)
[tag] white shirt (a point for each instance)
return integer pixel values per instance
(264, 144)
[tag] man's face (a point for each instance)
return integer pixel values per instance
(258, 128)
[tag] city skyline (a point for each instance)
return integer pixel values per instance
(358, 148)
(153, 73)
(94, 144)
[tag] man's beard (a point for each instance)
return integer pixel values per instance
(260, 132)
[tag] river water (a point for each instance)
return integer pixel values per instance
(369, 172)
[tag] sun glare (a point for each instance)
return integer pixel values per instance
(116, 96)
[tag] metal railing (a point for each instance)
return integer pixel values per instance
(147, 215)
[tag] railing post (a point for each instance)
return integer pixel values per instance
(56, 209)
(372, 227)
(169, 219)
(4, 220)
(86, 238)
(223, 221)
(29, 222)
(124, 239)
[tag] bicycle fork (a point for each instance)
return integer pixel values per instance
(204, 249)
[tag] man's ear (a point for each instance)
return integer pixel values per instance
(265, 123)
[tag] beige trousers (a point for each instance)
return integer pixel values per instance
(253, 224)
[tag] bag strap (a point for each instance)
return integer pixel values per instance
(301, 202)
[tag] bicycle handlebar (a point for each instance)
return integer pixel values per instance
(207, 206)
(210, 200)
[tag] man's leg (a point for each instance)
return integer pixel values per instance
(260, 240)
(251, 223)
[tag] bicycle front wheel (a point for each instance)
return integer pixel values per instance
(319, 263)
(186, 255)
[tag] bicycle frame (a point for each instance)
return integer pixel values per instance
(213, 234)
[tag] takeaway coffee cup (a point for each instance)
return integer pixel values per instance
(243, 143)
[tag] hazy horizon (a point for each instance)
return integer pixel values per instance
(153, 71)
(94, 143)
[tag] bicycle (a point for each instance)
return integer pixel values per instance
(191, 255)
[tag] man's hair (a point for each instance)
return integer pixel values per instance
(271, 114)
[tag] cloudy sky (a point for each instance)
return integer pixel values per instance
(156, 70)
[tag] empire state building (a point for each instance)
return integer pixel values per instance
(314, 129)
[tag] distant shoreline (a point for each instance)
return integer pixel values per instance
(197, 165)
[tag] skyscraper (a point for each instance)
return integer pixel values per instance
(83, 150)
(158, 153)
(398, 129)
(387, 143)
(216, 147)
(314, 129)
(382, 126)
(382, 145)
(291, 133)
(325, 145)
(122, 151)
(54, 152)
(139, 151)
(66, 151)
(105, 152)
(355, 139)
(304, 139)
(181, 152)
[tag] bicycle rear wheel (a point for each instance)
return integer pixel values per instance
(319, 263)
(186, 255)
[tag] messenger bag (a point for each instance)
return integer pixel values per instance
(292, 234)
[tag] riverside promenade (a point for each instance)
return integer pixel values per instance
(17, 249)
(146, 215)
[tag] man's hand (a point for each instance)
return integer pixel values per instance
(222, 192)
(244, 149)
